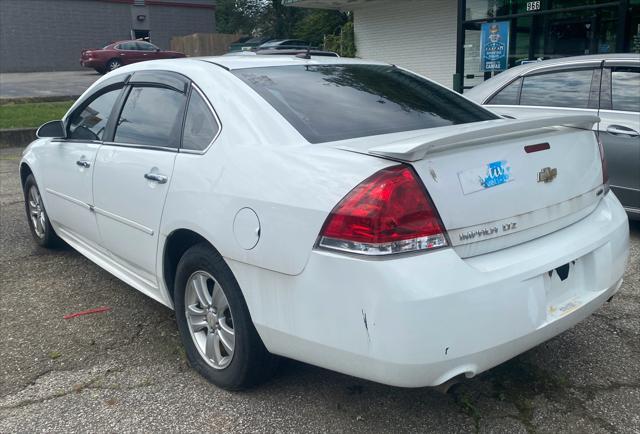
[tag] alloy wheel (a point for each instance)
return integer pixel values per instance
(36, 212)
(209, 319)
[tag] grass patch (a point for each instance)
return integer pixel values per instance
(31, 115)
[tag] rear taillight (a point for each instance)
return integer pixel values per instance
(605, 169)
(389, 212)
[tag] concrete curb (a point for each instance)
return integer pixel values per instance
(17, 137)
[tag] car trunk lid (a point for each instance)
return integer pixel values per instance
(503, 182)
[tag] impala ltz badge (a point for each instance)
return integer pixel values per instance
(547, 174)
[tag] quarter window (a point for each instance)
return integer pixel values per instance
(557, 89)
(151, 116)
(625, 89)
(91, 122)
(508, 95)
(200, 126)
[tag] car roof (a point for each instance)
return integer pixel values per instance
(258, 61)
(486, 88)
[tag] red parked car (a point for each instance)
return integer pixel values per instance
(121, 53)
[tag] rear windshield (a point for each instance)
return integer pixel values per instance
(337, 102)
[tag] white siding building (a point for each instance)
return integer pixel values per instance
(441, 38)
(406, 33)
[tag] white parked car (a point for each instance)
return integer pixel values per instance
(344, 213)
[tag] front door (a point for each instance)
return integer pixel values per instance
(133, 174)
(619, 130)
(70, 168)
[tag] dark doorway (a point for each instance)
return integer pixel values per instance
(140, 34)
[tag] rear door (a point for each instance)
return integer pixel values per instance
(148, 51)
(619, 129)
(133, 171)
(129, 53)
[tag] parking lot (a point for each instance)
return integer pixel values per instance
(125, 370)
(45, 84)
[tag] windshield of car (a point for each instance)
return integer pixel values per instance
(337, 102)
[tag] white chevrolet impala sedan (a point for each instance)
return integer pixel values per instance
(346, 213)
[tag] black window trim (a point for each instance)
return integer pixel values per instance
(126, 83)
(195, 88)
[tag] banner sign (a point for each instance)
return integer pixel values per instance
(494, 46)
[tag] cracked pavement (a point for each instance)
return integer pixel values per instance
(124, 370)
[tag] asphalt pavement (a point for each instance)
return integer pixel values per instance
(23, 85)
(124, 370)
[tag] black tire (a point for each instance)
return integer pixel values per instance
(113, 64)
(251, 363)
(44, 235)
(101, 71)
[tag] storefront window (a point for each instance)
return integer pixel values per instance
(549, 29)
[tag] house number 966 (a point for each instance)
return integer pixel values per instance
(533, 6)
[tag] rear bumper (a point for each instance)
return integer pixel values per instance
(420, 320)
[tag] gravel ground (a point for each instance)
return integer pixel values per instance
(125, 370)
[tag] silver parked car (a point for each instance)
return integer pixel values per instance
(607, 85)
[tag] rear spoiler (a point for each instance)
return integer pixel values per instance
(456, 136)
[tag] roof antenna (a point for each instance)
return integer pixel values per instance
(307, 54)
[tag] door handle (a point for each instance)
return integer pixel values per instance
(83, 163)
(619, 129)
(160, 179)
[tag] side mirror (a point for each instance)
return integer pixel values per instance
(54, 129)
(157, 50)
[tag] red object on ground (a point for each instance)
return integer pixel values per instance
(88, 312)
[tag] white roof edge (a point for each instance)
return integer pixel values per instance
(257, 61)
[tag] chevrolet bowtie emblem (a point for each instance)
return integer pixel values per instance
(547, 174)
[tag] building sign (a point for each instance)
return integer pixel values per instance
(494, 46)
(533, 6)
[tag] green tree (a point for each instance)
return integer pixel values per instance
(239, 16)
(318, 23)
(343, 43)
(279, 21)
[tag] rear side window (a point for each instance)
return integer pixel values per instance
(337, 102)
(625, 89)
(145, 46)
(90, 123)
(509, 95)
(200, 126)
(151, 116)
(128, 46)
(557, 89)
